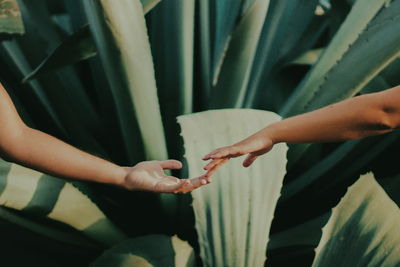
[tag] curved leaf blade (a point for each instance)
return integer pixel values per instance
(238, 62)
(77, 47)
(24, 189)
(360, 232)
(355, 24)
(133, 70)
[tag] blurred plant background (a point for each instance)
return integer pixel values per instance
(110, 77)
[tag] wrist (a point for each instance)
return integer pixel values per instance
(120, 176)
(270, 136)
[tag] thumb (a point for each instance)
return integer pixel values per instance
(171, 164)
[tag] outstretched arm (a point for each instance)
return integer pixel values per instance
(40, 151)
(353, 118)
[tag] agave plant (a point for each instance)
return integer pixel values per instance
(111, 77)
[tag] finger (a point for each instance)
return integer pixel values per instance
(249, 160)
(191, 184)
(211, 171)
(208, 156)
(220, 153)
(212, 163)
(172, 186)
(171, 164)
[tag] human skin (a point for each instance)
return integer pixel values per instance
(354, 118)
(40, 151)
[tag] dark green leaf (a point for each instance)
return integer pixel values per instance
(75, 48)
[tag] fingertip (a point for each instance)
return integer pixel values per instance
(178, 164)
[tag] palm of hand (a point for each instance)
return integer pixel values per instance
(150, 176)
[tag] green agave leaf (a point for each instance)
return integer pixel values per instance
(172, 27)
(246, 4)
(356, 22)
(224, 16)
(111, 67)
(371, 147)
(15, 55)
(363, 229)
(237, 65)
(234, 214)
(42, 242)
(131, 71)
(70, 106)
(302, 234)
(69, 237)
(10, 17)
(172, 38)
(148, 251)
(380, 40)
(204, 50)
(286, 20)
(31, 191)
(309, 57)
(79, 46)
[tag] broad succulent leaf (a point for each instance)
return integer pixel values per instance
(132, 71)
(234, 213)
(363, 229)
(33, 192)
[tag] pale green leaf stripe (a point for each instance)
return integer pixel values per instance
(360, 15)
(10, 17)
(234, 213)
(27, 190)
(4, 170)
(148, 251)
(184, 253)
(236, 68)
(307, 233)
(78, 211)
(20, 187)
(45, 196)
(149, 5)
(126, 21)
(363, 229)
(309, 57)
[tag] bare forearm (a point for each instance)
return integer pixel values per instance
(350, 119)
(45, 153)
